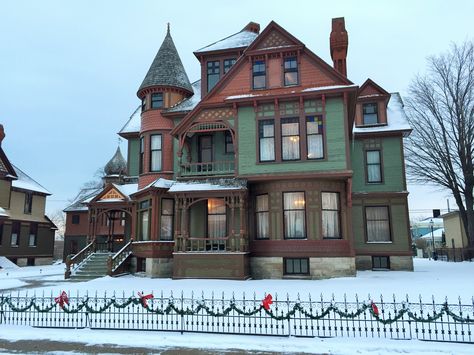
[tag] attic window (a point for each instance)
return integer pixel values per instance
(370, 113)
(259, 74)
(213, 74)
(157, 100)
(291, 71)
(228, 63)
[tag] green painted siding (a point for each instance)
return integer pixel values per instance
(218, 142)
(133, 156)
(398, 226)
(392, 166)
(335, 144)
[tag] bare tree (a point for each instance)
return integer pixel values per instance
(441, 112)
(59, 219)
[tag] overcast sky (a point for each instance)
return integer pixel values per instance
(70, 70)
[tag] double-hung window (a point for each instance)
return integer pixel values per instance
(155, 152)
(263, 226)
(144, 220)
(290, 139)
(331, 214)
(167, 212)
(213, 74)
(377, 224)
(259, 74)
(266, 132)
(142, 154)
(374, 171)
(370, 114)
(157, 100)
(229, 144)
(291, 71)
(314, 137)
(33, 235)
(294, 215)
(144, 103)
(14, 241)
(216, 218)
(228, 63)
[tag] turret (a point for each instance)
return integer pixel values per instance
(116, 168)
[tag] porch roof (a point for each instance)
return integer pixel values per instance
(204, 186)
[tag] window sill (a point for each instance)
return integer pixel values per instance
(297, 276)
(31, 246)
(381, 242)
(304, 238)
(333, 238)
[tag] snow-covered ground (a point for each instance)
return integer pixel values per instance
(430, 279)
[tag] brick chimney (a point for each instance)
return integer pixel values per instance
(252, 27)
(339, 42)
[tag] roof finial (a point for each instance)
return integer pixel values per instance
(168, 31)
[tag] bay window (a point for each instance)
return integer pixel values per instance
(294, 215)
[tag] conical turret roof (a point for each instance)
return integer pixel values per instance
(117, 165)
(167, 68)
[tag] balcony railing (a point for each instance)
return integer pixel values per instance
(223, 167)
(209, 245)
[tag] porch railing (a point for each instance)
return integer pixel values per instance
(114, 262)
(224, 167)
(209, 245)
(79, 258)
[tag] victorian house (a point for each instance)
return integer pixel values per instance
(26, 233)
(274, 164)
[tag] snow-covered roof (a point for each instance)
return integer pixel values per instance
(328, 87)
(83, 197)
(134, 122)
(238, 40)
(126, 189)
(437, 222)
(396, 118)
(190, 103)
(202, 186)
(160, 183)
(437, 234)
(25, 182)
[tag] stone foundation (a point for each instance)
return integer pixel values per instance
(320, 268)
(397, 263)
(159, 267)
(43, 261)
(22, 261)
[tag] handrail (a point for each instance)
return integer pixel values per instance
(208, 168)
(113, 262)
(78, 258)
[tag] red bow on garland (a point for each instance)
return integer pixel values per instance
(375, 309)
(145, 298)
(267, 301)
(62, 299)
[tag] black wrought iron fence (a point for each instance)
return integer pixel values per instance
(301, 317)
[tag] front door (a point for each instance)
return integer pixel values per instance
(205, 152)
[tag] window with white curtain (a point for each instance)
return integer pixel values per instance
(266, 133)
(374, 171)
(155, 152)
(144, 225)
(314, 137)
(290, 138)
(263, 227)
(294, 215)
(166, 223)
(331, 211)
(216, 218)
(378, 224)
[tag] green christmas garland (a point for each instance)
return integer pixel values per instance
(6, 301)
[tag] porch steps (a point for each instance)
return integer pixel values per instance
(92, 268)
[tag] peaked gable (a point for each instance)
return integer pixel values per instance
(110, 194)
(371, 89)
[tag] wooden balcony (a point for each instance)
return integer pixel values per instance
(223, 168)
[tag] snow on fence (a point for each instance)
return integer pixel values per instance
(275, 316)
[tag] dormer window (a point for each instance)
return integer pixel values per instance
(213, 74)
(144, 103)
(157, 100)
(228, 63)
(370, 114)
(259, 74)
(291, 71)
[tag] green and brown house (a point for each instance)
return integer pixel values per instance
(272, 165)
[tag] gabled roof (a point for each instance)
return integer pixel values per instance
(83, 197)
(371, 89)
(133, 124)
(167, 68)
(114, 193)
(25, 182)
(238, 40)
(397, 120)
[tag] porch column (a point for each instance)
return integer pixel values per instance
(177, 223)
(243, 228)
(184, 226)
(232, 224)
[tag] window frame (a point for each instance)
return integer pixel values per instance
(288, 120)
(375, 257)
(318, 117)
(305, 225)
(216, 214)
(260, 131)
(76, 218)
(156, 150)
(376, 113)
(141, 163)
(227, 136)
(143, 206)
(290, 70)
(16, 230)
(390, 241)
(34, 233)
(339, 215)
(366, 151)
(257, 217)
(226, 66)
(144, 103)
(153, 100)
(167, 215)
(259, 73)
(212, 65)
(300, 260)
